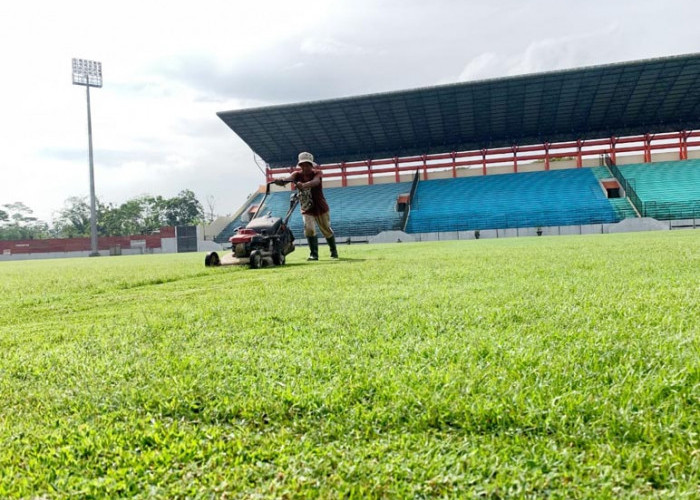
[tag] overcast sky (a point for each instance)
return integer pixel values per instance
(169, 66)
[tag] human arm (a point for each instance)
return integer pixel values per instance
(316, 181)
(286, 180)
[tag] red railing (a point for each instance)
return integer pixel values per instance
(514, 155)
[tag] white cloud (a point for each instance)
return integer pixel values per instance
(486, 65)
(329, 46)
(547, 54)
(565, 52)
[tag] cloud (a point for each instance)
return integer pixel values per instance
(106, 158)
(486, 65)
(565, 52)
(283, 76)
(547, 54)
(329, 46)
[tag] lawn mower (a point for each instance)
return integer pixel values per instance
(265, 240)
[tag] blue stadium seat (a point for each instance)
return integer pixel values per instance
(355, 210)
(547, 198)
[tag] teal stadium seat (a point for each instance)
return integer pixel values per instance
(667, 190)
(623, 208)
(547, 198)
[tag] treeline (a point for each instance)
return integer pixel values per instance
(142, 215)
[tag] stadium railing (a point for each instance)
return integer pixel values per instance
(627, 185)
(414, 186)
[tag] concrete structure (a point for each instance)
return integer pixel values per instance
(165, 241)
(626, 226)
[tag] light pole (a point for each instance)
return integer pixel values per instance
(89, 74)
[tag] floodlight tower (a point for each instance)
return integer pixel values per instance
(89, 74)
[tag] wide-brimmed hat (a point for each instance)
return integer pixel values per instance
(306, 157)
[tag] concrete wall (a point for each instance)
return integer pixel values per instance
(168, 245)
(64, 255)
(470, 172)
(628, 225)
(391, 237)
(210, 231)
(639, 224)
(531, 167)
(137, 247)
(440, 174)
(627, 159)
(205, 245)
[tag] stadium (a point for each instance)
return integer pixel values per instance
(535, 333)
(576, 151)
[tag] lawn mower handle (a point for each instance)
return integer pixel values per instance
(267, 188)
(267, 192)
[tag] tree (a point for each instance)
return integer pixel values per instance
(183, 209)
(18, 223)
(153, 213)
(211, 203)
(124, 220)
(142, 215)
(74, 219)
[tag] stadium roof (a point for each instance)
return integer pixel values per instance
(632, 98)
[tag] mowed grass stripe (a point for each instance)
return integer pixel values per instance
(562, 366)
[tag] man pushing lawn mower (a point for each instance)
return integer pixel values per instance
(314, 208)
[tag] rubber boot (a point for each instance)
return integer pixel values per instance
(313, 247)
(331, 245)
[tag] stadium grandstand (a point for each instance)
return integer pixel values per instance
(578, 147)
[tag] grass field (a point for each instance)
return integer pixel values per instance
(564, 367)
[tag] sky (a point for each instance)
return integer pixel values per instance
(169, 66)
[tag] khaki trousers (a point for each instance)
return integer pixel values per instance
(323, 221)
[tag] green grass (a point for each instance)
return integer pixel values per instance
(566, 367)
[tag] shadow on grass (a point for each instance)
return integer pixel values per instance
(324, 262)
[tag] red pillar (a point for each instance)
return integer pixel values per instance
(483, 159)
(369, 167)
(546, 156)
(579, 156)
(425, 168)
(683, 138)
(454, 164)
(613, 140)
(515, 159)
(343, 174)
(647, 148)
(397, 176)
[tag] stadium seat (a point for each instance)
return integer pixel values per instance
(547, 198)
(355, 210)
(667, 190)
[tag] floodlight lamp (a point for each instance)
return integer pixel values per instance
(88, 73)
